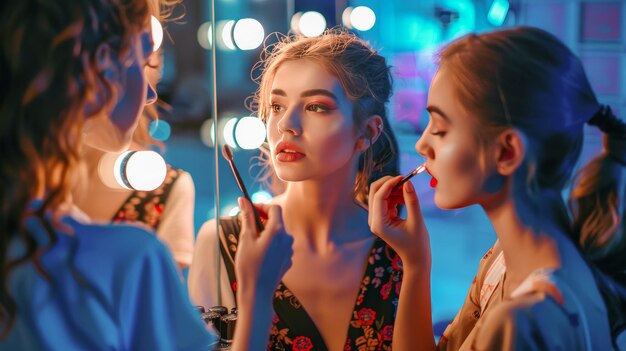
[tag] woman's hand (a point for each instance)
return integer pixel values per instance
(408, 237)
(262, 258)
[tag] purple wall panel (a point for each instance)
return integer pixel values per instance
(548, 16)
(409, 105)
(604, 72)
(601, 22)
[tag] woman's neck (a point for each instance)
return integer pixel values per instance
(324, 213)
(532, 235)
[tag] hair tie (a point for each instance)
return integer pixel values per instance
(614, 129)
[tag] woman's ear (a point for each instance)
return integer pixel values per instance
(372, 130)
(510, 151)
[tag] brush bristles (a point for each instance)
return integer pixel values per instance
(227, 152)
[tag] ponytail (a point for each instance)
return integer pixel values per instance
(598, 218)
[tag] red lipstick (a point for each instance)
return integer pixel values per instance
(433, 180)
(288, 152)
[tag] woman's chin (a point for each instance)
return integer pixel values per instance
(447, 204)
(112, 146)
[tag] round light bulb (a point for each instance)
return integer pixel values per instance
(362, 18)
(205, 35)
(250, 133)
(312, 24)
(261, 197)
(248, 34)
(157, 33)
(225, 31)
(140, 170)
(229, 132)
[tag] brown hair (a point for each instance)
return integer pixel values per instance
(365, 78)
(528, 79)
(47, 63)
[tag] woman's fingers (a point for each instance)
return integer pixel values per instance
(274, 222)
(248, 224)
(411, 201)
(373, 196)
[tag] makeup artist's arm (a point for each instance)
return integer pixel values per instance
(413, 328)
(262, 260)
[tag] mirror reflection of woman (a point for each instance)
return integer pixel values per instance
(67, 283)
(507, 112)
(323, 101)
(168, 209)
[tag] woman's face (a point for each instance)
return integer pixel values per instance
(114, 132)
(451, 148)
(310, 129)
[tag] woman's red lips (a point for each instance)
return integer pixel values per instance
(433, 180)
(288, 152)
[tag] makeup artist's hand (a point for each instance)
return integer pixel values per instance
(408, 237)
(262, 258)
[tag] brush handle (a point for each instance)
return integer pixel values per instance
(421, 168)
(242, 187)
(404, 180)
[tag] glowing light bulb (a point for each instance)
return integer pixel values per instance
(140, 170)
(225, 29)
(160, 130)
(250, 133)
(261, 197)
(362, 18)
(207, 130)
(228, 132)
(312, 24)
(233, 211)
(157, 33)
(205, 35)
(345, 17)
(248, 34)
(497, 12)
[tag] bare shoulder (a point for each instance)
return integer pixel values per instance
(184, 183)
(207, 233)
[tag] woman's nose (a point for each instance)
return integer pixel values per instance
(152, 96)
(290, 123)
(423, 148)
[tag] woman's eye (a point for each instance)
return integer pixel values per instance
(317, 108)
(438, 133)
(276, 108)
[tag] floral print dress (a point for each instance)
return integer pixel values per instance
(147, 206)
(373, 315)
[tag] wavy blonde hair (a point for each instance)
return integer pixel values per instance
(365, 78)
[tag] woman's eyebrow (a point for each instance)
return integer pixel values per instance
(278, 92)
(436, 110)
(308, 93)
(314, 92)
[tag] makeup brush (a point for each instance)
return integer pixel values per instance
(421, 168)
(228, 155)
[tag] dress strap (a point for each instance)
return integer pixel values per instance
(229, 240)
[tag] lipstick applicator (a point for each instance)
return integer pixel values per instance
(419, 169)
(228, 155)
